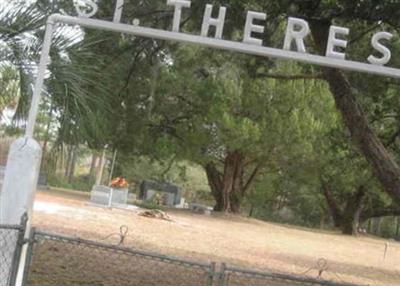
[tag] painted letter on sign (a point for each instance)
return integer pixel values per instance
(217, 23)
(118, 11)
(179, 4)
(335, 42)
(252, 28)
(387, 55)
(297, 29)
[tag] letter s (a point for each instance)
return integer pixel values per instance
(380, 48)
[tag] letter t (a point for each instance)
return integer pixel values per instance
(179, 4)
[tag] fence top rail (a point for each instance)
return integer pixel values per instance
(75, 240)
(10, 227)
(284, 276)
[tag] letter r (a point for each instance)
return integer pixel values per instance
(297, 35)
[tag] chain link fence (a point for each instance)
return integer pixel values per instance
(11, 242)
(231, 276)
(60, 260)
(57, 260)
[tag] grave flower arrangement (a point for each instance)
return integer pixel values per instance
(119, 183)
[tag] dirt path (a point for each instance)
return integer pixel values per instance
(238, 241)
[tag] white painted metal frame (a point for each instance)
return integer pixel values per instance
(192, 39)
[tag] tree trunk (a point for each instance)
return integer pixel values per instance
(333, 207)
(68, 162)
(93, 166)
(385, 168)
(352, 211)
(235, 202)
(229, 188)
(47, 135)
(322, 222)
(100, 168)
(351, 223)
(215, 182)
(251, 212)
(73, 164)
(347, 218)
(233, 181)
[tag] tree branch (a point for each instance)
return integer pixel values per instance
(251, 178)
(363, 34)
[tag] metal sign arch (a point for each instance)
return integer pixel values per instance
(252, 46)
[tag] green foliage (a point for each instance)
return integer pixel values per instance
(81, 183)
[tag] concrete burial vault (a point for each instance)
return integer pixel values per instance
(24, 158)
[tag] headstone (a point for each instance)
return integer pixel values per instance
(106, 196)
(120, 196)
(170, 194)
(131, 197)
(182, 204)
(149, 195)
(169, 199)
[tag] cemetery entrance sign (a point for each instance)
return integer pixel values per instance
(296, 32)
(24, 158)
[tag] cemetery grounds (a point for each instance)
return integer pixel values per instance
(235, 240)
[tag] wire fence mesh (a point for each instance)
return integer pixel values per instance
(11, 241)
(57, 260)
(8, 245)
(235, 276)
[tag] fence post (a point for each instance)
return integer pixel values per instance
(18, 249)
(222, 275)
(211, 274)
(29, 253)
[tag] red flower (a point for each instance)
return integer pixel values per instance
(119, 183)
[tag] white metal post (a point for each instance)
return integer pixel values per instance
(23, 163)
(24, 158)
(44, 60)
